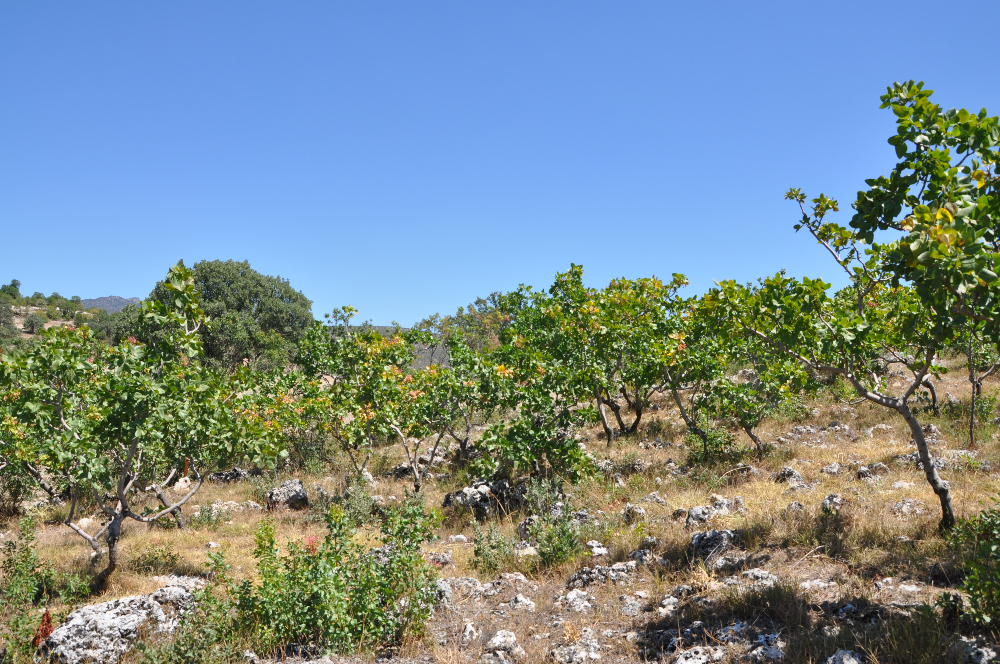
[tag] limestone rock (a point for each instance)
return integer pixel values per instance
(586, 649)
(290, 495)
(104, 632)
(844, 657)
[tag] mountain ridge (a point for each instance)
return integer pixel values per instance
(110, 303)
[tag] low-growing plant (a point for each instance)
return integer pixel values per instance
(154, 560)
(327, 592)
(554, 530)
(491, 550)
(208, 518)
(977, 541)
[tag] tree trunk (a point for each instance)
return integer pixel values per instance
(691, 424)
(940, 486)
(604, 417)
(756, 440)
(972, 379)
(114, 532)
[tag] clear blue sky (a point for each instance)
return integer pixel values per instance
(407, 157)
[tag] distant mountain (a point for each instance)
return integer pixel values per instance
(112, 303)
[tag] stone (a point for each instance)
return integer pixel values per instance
(442, 592)
(678, 514)
(469, 634)
(586, 649)
(711, 543)
(618, 574)
(644, 557)
(902, 485)
(480, 498)
(908, 507)
(668, 607)
(577, 601)
(212, 545)
(700, 655)
(290, 495)
(844, 657)
(831, 469)
(864, 473)
(832, 502)
(525, 528)
(654, 497)
(458, 539)
(525, 551)
(227, 476)
(630, 606)
(633, 514)
(788, 476)
(794, 506)
(761, 577)
(699, 514)
(770, 648)
(522, 603)
(596, 548)
(183, 485)
(90, 526)
(505, 642)
(816, 584)
(879, 468)
(104, 632)
(440, 558)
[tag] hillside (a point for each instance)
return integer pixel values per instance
(111, 303)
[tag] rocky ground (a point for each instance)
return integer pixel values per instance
(823, 551)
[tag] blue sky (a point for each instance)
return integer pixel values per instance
(407, 157)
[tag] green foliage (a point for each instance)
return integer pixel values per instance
(554, 530)
(7, 328)
(977, 541)
(103, 419)
(253, 318)
(34, 323)
(208, 518)
(12, 290)
(492, 552)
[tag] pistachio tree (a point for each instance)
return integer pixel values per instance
(110, 426)
(366, 393)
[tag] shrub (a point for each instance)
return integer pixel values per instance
(491, 550)
(156, 560)
(977, 540)
(330, 593)
(208, 518)
(34, 323)
(555, 531)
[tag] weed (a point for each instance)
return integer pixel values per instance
(492, 551)
(155, 560)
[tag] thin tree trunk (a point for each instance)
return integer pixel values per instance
(940, 486)
(691, 424)
(756, 440)
(972, 379)
(604, 417)
(114, 533)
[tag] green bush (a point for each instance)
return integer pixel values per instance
(34, 323)
(329, 592)
(155, 560)
(977, 540)
(555, 532)
(491, 551)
